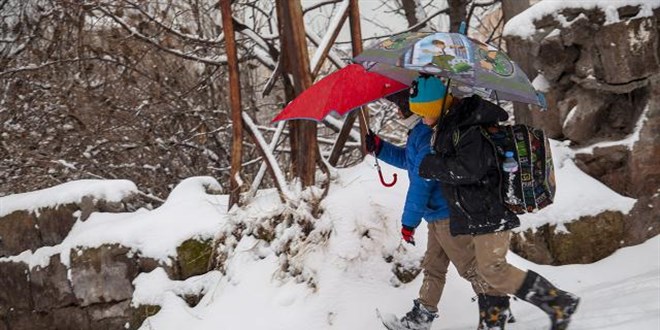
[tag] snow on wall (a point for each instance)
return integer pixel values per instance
(66, 193)
(189, 212)
(522, 25)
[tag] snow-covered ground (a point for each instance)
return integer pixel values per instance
(348, 267)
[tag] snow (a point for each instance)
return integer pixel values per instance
(522, 25)
(189, 212)
(344, 275)
(541, 83)
(70, 192)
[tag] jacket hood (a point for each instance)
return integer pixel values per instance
(474, 110)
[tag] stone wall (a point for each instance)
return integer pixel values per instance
(604, 80)
(95, 290)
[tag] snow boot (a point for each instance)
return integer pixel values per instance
(494, 312)
(559, 305)
(419, 318)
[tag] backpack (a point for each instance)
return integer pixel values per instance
(532, 187)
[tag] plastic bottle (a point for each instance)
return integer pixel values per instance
(509, 165)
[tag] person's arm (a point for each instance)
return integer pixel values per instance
(393, 155)
(419, 190)
(466, 164)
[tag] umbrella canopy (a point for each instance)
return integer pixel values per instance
(340, 92)
(472, 63)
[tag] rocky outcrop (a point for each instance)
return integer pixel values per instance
(582, 241)
(24, 230)
(604, 78)
(93, 288)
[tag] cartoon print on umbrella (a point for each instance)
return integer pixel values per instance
(454, 56)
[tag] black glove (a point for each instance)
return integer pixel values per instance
(372, 142)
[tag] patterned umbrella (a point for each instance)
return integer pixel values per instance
(474, 65)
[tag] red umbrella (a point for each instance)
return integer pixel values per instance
(341, 92)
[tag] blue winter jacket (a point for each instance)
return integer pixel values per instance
(424, 198)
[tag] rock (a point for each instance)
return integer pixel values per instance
(55, 223)
(591, 238)
(103, 274)
(644, 220)
(70, 318)
(141, 313)
(18, 232)
(645, 156)
(50, 286)
(30, 320)
(405, 274)
(609, 165)
(621, 47)
(533, 246)
(578, 122)
(110, 316)
(554, 59)
(587, 240)
(15, 284)
(549, 120)
(86, 207)
(193, 257)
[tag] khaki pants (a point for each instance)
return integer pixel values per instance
(490, 251)
(441, 249)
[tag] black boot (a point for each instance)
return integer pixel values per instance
(419, 318)
(558, 304)
(494, 312)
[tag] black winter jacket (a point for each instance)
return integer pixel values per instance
(465, 163)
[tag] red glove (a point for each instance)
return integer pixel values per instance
(407, 233)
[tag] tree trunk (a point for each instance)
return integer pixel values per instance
(519, 53)
(302, 132)
(235, 103)
(457, 14)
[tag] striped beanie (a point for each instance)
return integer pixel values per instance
(426, 95)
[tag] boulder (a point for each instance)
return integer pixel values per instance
(533, 245)
(585, 240)
(103, 274)
(609, 165)
(644, 220)
(645, 156)
(110, 316)
(141, 313)
(193, 257)
(30, 320)
(15, 284)
(50, 286)
(578, 121)
(622, 47)
(554, 58)
(55, 223)
(70, 318)
(18, 232)
(589, 239)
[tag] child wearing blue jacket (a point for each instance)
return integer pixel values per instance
(424, 200)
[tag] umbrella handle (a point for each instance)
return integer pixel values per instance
(382, 180)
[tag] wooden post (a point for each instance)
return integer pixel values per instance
(235, 103)
(302, 132)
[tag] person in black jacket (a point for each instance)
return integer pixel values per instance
(465, 163)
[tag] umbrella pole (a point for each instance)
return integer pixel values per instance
(380, 173)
